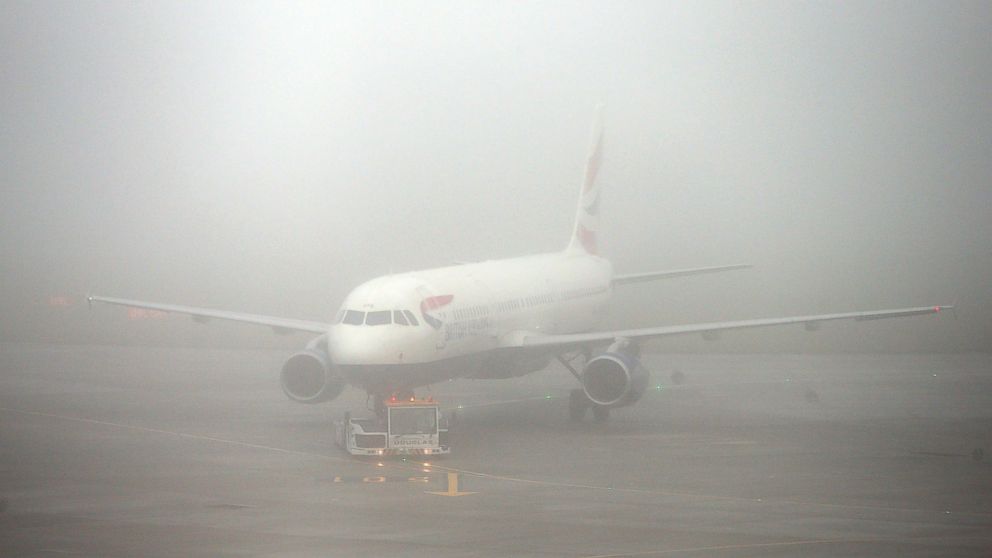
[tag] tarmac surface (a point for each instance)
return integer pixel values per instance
(109, 451)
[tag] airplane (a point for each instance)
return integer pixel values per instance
(493, 319)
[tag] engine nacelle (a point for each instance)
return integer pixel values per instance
(309, 377)
(614, 379)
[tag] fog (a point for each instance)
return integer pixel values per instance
(268, 157)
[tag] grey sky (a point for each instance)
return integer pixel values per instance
(267, 157)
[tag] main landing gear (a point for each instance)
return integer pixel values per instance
(578, 402)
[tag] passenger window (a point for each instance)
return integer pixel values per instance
(382, 317)
(399, 318)
(409, 315)
(354, 317)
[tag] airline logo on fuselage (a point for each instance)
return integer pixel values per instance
(588, 239)
(433, 303)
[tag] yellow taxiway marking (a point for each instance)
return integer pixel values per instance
(704, 497)
(372, 479)
(498, 477)
(452, 487)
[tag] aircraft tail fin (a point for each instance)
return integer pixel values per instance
(587, 215)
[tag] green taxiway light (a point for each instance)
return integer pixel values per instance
(547, 396)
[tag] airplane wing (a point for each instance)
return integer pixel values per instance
(202, 314)
(530, 339)
(652, 275)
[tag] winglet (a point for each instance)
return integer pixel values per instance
(942, 307)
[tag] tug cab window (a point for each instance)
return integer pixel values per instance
(412, 420)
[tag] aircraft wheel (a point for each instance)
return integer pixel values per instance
(600, 413)
(577, 404)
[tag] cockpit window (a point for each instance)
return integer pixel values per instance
(354, 317)
(381, 317)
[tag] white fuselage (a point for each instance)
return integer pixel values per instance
(468, 309)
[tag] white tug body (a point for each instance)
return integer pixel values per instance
(404, 427)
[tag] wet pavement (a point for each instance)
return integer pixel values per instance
(109, 451)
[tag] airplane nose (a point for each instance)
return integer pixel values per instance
(352, 345)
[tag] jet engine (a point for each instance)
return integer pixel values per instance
(309, 377)
(615, 378)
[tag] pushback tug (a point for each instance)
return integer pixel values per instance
(402, 426)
